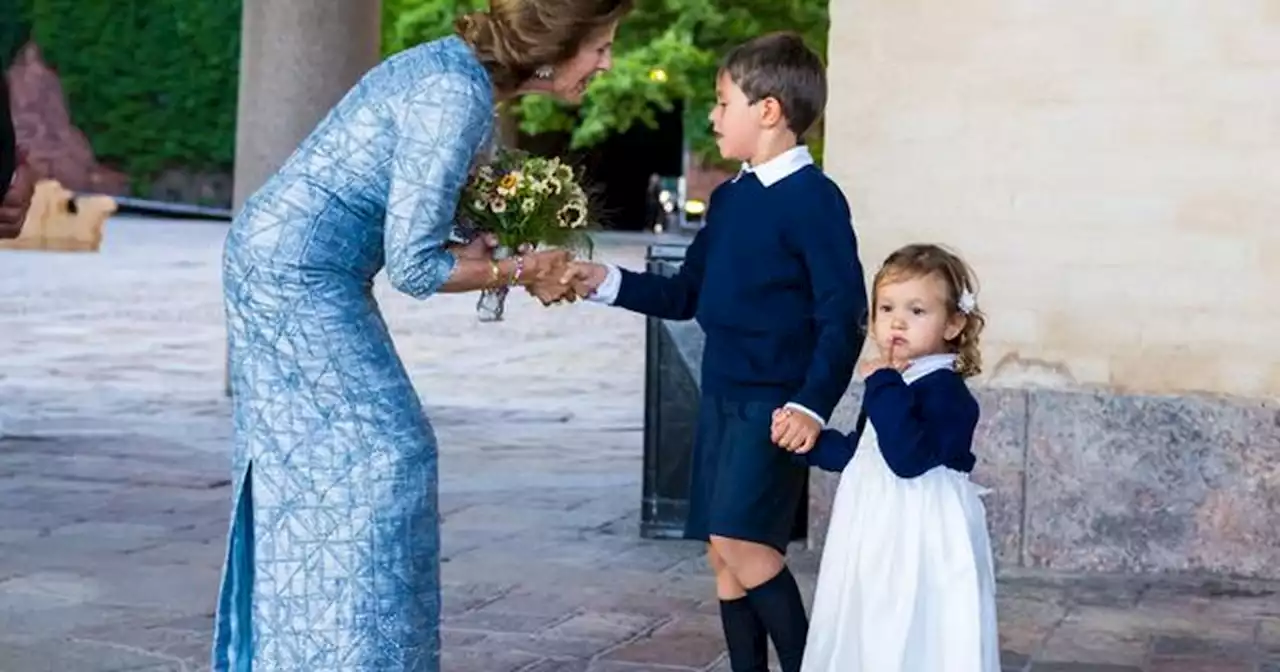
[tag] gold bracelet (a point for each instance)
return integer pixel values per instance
(495, 273)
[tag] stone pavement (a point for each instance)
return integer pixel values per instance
(113, 490)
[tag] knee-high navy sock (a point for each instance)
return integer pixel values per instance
(745, 636)
(781, 609)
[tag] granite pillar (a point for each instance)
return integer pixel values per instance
(297, 59)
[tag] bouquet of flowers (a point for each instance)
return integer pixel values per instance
(526, 201)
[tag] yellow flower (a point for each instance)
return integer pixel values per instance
(509, 183)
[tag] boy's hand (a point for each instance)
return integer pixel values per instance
(794, 432)
(887, 360)
(584, 277)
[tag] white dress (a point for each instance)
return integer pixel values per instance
(906, 582)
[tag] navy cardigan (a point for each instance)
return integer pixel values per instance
(929, 423)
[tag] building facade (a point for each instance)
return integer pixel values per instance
(1112, 172)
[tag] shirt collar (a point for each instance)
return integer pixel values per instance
(779, 167)
(923, 366)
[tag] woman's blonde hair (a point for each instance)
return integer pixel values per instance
(516, 37)
(922, 260)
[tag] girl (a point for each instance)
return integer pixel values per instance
(906, 582)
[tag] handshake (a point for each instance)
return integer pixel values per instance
(551, 276)
(567, 281)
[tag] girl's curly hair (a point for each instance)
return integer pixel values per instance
(922, 259)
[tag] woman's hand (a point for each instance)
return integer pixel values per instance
(480, 248)
(542, 273)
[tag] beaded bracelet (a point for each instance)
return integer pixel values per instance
(515, 276)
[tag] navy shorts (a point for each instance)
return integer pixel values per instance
(743, 486)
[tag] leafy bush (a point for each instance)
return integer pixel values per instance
(152, 83)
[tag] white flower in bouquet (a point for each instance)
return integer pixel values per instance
(572, 215)
(528, 200)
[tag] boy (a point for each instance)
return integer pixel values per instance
(773, 279)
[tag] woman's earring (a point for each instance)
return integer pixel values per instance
(545, 72)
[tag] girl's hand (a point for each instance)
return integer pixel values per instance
(887, 360)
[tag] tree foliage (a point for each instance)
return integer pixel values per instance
(667, 51)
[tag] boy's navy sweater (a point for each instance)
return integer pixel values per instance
(927, 424)
(774, 281)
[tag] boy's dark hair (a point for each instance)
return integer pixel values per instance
(782, 67)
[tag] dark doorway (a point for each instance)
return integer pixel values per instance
(618, 169)
(623, 164)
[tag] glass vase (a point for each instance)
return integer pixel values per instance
(493, 302)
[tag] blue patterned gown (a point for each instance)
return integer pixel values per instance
(333, 558)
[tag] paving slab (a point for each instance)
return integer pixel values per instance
(114, 490)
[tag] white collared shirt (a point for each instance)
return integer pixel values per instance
(923, 366)
(779, 167)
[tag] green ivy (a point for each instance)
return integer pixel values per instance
(152, 83)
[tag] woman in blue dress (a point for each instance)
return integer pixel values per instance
(333, 555)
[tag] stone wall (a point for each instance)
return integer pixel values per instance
(1097, 482)
(1110, 169)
